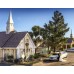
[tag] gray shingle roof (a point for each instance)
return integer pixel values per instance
(12, 39)
(69, 40)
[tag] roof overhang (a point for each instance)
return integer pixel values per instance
(8, 48)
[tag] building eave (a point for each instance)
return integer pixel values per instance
(8, 48)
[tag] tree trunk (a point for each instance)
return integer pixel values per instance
(48, 50)
(36, 46)
(35, 50)
(54, 50)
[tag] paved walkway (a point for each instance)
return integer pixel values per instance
(69, 62)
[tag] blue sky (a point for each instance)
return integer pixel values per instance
(25, 18)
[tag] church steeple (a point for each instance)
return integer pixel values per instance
(10, 24)
(71, 34)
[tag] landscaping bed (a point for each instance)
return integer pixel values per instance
(28, 63)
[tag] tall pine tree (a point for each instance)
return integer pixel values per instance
(55, 30)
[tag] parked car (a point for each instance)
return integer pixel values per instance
(58, 56)
(70, 50)
(54, 57)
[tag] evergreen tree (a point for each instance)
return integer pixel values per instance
(55, 30)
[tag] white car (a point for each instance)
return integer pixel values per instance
(54, 57)
(57, 57)
(70, 50)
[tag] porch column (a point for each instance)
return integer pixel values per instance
(14, 53)
(71, 45)
(2, 54)
(66, 46)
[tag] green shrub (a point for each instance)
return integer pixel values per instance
(37, 55)
(31, 57)
(44, 55)
(10, 58)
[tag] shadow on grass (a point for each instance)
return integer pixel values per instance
(49, 61)
(25, 64)
(14, 64)
(6, 64)
(29, 63)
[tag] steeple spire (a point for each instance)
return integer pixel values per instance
(10, 23)
(71, 34)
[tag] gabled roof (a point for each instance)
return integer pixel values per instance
(69, 40)
(12, 39)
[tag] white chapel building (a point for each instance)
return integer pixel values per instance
(18, 44)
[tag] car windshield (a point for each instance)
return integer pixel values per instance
(54, 56)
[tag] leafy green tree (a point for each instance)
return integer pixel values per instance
(55, 30)
(35, 30)
(36, 35)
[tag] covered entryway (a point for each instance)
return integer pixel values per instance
(8, 54)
